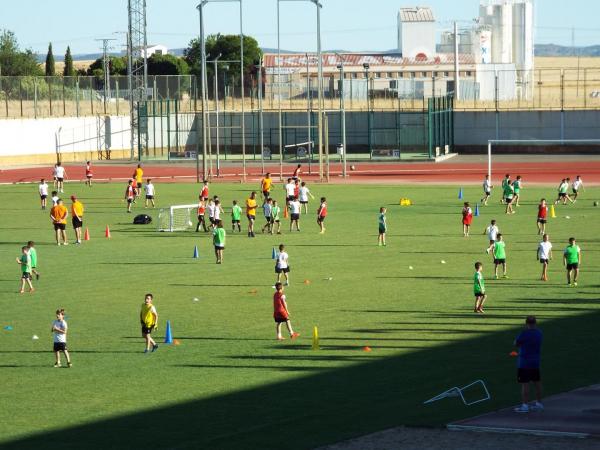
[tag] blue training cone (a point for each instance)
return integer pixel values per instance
(477, 210)
(196, 254)
(460, 194)
(274, 254)
(168, 335)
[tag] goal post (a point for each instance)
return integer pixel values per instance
(177, 217)
(545, 147)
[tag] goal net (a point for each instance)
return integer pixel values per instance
(177, 218)
(540, 147)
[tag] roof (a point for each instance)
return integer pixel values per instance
(416, 14)
(295, 60)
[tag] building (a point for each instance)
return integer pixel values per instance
(152, 49)
(416, 32)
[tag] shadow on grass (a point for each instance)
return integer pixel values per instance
(330, 404)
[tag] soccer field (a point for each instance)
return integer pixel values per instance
(230, 384)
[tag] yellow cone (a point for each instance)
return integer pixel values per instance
(552, 212)
(315, 339)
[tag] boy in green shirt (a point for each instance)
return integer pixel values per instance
(479, 288)
(25, 261)
(571, 260)
(517, 186)
(236, 216)
(219, 241)
(33, 256)
(382, 226)
(275, 211)
(499, 256)
(509, 192)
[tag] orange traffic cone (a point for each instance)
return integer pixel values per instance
(86, 236)
(285, 213)
(107, 232)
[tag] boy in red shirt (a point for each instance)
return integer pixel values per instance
(88, 174)
(321, 214)
(130, 194)
(201, 211)
(467, 218)
(204, 192)
(542, 216)
(281, 313)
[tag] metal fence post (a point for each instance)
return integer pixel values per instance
(21, 94)
(63, 98)
(77, 96)
(117, 93)
(35, 92)
(49, 93)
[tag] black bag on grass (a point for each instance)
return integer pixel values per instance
(142, 219)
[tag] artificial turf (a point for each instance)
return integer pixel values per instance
(229, 384)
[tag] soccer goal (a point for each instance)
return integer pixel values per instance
(546, 147)
(177, 218)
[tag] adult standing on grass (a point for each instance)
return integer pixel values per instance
(138, 176)
(77, 218)
(25, 261)
(467, 218)
(58, 214)
(149, 321)
(219, 240)
(544, 254)
(251, 212)
(529, 343)
(61, 174)
(43, 190)
(59, 330)
(572, 260)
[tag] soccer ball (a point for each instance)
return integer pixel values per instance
(352, 167)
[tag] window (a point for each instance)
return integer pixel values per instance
(469, 73)
(424, 74)
(377, 74)
(354, 75)
(413, 74)
(400, 74)
(390, 74)
(446, 74)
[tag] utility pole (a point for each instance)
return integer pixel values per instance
(456, 67)
(106, 66)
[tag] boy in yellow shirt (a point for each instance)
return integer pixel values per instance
(149, 321)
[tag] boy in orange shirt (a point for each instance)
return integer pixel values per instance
(281, 313)
(58, 214)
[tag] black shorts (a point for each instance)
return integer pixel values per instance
(26, 276)
(251, 217)
(266, 193)
(507, 200)
(43, 197)
(59, 226)
(562, 194)
(573, 266)
(281, 319)
(129, 200)
(60, 346)
(282, 270)
(382, 230)
(60, 179)
(212, 220)
(200, 217)
(295, 216)
(149, 197)
(289, 198)
(544, 261)
(235, 221)
(500, 261)
(76, 222)
(480, 295)
(527, 375)
(218, 247)
(304, 202)
(146, 330)
(204, 199)
(540, 220)
(574, 191)
(488, 193)
(321, 219)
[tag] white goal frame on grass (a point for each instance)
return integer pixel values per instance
(533, 142)
(176, 218)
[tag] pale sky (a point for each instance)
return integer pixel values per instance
(352, 25)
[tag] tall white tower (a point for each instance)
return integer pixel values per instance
(416, 32)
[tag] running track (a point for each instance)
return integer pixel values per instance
(543, 172)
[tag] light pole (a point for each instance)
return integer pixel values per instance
(366, 67)
(319, 86)
(200, 8)
(216, 87)
(343, 112)
(260, 114)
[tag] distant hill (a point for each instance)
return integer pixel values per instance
(561, 50)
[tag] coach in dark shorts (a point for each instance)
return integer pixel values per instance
(529, 343)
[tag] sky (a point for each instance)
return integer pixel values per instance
(352, 25)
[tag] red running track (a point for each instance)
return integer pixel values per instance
(426, 173)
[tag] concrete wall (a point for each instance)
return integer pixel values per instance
(37, 141)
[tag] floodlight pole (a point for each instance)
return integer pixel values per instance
(203, 86)
(216, 84)
(366, 67)
(260, 115)
(343, 112)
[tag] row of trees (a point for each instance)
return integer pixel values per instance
(17, 62)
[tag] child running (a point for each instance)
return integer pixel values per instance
(282, 265)
(25, 261)
(322, 214)
(382, 226)
(33, 256)
(200, 212)
(572, 260)
(149, 188)
(544, 254)
(281, 313)
(563, 195)
(487, 190)
(467, 218)
(479, 288)
(236, 217)
(576, 186)
(499, 256)
(517, 186)
(492, 233)
(43, 190)
(149, 321)
(275, 220)
(542, 216)
(59, 331)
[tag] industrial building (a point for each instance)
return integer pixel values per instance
(495, 60)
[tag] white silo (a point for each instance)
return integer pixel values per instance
(499, 17)
(523, 45)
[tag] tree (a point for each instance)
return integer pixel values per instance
(68, 70)
(50, 67)
(117, 66)
(13, 61)
(228, 46)
(167, 65)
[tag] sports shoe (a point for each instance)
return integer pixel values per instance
(575, 283)
(280, 338)
(504, 276)
(537, 406)
(524, 408)
(69, 365)
(65, 243)
(57, 365)
(294, 335)
(154, 348)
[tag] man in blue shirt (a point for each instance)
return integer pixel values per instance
(529, 343)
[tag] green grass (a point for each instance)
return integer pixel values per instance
(230, 384)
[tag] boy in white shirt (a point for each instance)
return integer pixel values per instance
(218, 210)
(149, 188)
(289, 190)
(59, 330)
(577, 184)
(211, 211)
(54, 198)
(544, 254)
(492, 232)
(294, 206)
(43, 190)
(61, 174)
(304, 192)
(487, 190)
(282, 265)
